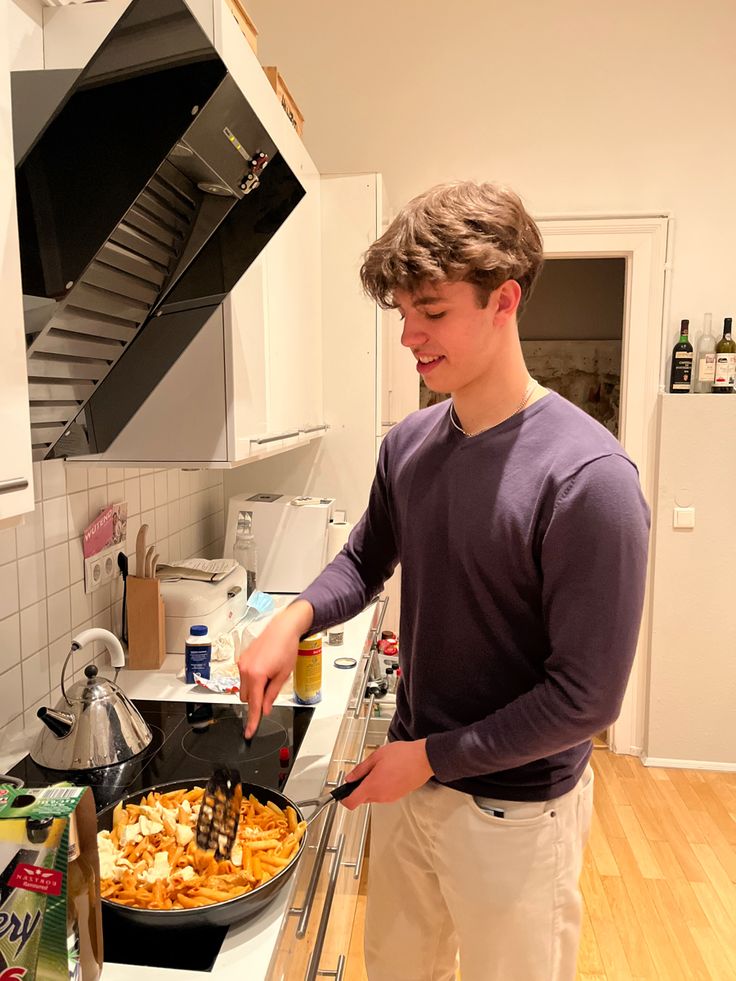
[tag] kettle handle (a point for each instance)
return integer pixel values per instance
(117, 655)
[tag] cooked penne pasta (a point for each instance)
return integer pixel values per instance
(150, 860)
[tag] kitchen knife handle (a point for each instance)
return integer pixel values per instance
(140, 552)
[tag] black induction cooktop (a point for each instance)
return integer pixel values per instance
(189, 740)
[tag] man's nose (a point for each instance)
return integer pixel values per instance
(413, 333)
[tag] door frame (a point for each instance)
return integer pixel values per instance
(645, 242)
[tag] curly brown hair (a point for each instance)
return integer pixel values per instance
(456, 232)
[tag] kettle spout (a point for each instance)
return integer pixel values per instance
(60, 723)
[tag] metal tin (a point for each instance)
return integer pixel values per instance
(308, 671)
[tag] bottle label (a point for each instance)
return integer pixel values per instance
(725, 371)
(197, 661)
(308, 676)
(682, 364)
(707, 368)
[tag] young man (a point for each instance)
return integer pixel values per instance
(522, 535)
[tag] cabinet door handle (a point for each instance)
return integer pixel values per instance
(272, 439)
(306, 910)
(313, 966)
(17, 483)
(316, 429)
(363, 682)
(364, 733)
(357, 865)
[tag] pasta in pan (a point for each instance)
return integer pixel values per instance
(150, 859)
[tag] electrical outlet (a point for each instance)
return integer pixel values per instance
(100, 569)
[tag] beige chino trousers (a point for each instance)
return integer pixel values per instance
(446, 874)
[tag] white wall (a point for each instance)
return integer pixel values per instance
(584, 108)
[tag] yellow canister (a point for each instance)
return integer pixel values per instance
(308, 671)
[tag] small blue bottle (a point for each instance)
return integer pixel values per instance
(197, 653)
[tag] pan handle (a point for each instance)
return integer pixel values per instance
(346, 789)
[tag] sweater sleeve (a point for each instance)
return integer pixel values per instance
(593, 567)
(357, 574)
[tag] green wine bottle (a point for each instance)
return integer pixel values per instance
(682, 361)
(723, 382)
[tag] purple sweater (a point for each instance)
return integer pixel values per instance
(523, 553)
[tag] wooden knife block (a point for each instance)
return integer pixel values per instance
(146, 624)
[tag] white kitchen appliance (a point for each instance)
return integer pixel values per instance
(218, 605)
(290, 534)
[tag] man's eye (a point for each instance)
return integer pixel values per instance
(435, 316)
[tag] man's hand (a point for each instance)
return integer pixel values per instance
(392, 771)
(265, 665)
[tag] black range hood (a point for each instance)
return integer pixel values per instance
(146, 186)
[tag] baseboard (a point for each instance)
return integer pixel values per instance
(631, 751)
(688, 764)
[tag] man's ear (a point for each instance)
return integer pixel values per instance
(508, 298)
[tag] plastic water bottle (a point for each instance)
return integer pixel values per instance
(244, 550)
(197, 653)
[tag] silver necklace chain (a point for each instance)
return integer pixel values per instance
(527, 395)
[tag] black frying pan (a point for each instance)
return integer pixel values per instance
(216, 914)
(232, 910)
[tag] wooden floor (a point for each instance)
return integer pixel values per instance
(659, 882)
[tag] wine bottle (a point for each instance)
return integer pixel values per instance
(704, 371)
(725, 361)
(682, 361)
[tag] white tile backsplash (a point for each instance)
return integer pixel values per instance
(78, 511)
(148, 500)
(55, 521)
(57, 568)
(8, 589)
(8, 550)
(34, 631)
(81, 605)
(11, 694)
(42, 598)
(58, 651)
(76, 560)
(9, 642)
(59, 610)
(161, 488)
(29, 534)
(31, 579)
(36, 683)
(116, 491)
(133, 495)
(76, 479)
(53, 477)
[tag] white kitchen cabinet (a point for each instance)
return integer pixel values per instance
(16, 467)
(250, 385)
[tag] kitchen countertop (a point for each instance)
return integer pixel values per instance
(248, 947)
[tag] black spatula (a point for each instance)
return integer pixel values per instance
(219, 813)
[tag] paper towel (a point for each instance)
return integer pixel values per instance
(338, 533)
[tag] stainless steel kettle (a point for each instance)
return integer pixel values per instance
(94, 723)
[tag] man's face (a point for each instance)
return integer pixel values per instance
(452, 338)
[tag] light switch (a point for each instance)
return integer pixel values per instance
(683, 518)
